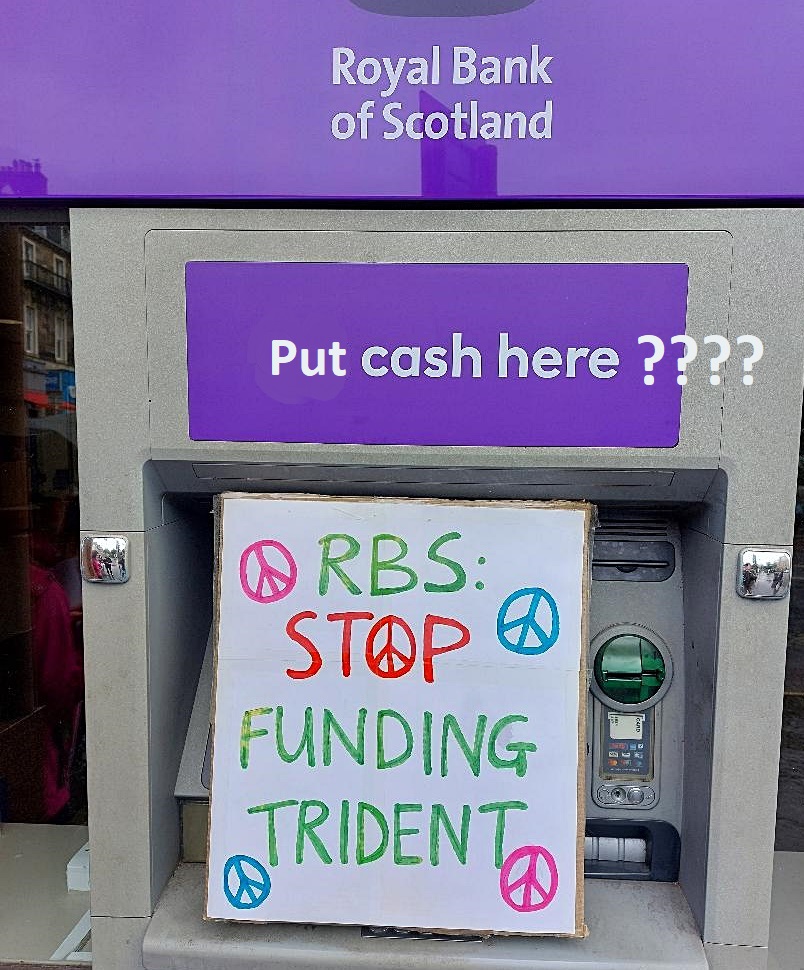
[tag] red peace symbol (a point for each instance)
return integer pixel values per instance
(535, 896)
(257, 573)
(388, 660)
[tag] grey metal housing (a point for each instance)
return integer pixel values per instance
(728, 484)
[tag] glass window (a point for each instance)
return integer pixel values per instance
(60, 339)
(43, 809)
(31, 330)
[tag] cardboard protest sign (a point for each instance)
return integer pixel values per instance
(398, 713)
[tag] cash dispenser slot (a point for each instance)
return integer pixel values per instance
(648, 850)
(605, 848)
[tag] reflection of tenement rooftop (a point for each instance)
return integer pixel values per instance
(22, 177)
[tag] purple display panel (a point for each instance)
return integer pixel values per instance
(433, 354)
(213, 99)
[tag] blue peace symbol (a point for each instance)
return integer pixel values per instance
(513, 634)
(243, 889)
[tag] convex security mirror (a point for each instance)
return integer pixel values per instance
(763, 574)
(104, 559)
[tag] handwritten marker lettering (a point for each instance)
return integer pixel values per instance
(390, 645)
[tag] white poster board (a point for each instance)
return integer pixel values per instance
(397, 716)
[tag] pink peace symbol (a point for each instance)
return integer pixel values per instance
(535, 896)
(279, 576)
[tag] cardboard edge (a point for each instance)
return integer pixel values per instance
(425, 930)
(217, 506)
(590, 521)
(566, 504)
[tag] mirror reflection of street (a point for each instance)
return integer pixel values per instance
(104, 559)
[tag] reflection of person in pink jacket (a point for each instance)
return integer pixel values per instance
(59, 683)
(97, 565)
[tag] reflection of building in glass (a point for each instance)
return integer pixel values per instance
(35, 288)
(40, 594)
(23, 178)
(453, 169)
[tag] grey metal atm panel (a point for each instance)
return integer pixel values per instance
(728, 483)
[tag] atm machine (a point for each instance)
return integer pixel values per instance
(686, 653)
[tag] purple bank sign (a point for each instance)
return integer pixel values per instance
(434, 354)
(395, 99)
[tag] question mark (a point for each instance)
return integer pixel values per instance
(758, 350)
(690, 353)
(658, 353)
(721, 358)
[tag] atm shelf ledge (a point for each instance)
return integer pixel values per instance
(632, 926)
